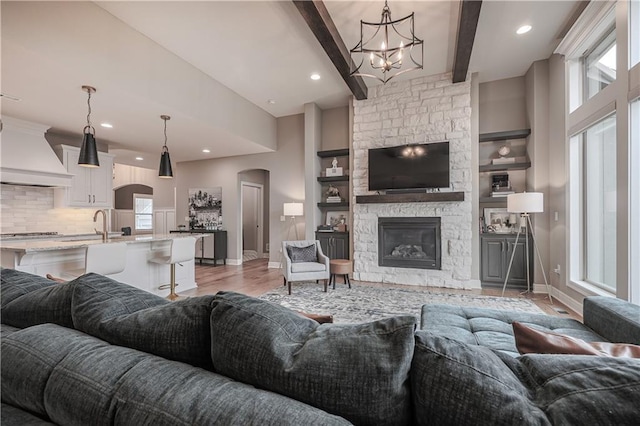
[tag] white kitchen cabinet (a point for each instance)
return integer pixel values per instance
(90, 187)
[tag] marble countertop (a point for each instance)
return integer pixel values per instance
(32, 246)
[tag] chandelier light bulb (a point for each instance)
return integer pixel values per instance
(383, 46)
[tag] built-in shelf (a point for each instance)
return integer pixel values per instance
(344, 178)
(335, 206)
(411, 197)
(333, 153)
(503, 136)
(494, 200)
(505, 167)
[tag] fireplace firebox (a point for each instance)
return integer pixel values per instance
(409, 242)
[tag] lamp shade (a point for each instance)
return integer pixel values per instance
(165, 166)
(293, 209)
(88, 152)
(525, 202)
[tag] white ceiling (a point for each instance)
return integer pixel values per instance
(213, 65)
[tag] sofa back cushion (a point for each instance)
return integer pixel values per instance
(126, 316)
(585, 389)
(359, 372)
(615, 319)
(75, 379)
(456, 383)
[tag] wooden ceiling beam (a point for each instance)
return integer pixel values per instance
(467, 25)
(317, 18)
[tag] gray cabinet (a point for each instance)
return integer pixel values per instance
(495, 254)
(335, 245)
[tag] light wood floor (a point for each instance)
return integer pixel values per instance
(253, 278)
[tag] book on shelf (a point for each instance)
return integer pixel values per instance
(501, 193)
(334, 199)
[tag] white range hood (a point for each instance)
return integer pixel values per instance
(26, 158)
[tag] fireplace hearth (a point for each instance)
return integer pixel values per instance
(409, 242)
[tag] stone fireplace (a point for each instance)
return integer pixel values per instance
(422, 110)
(412, 242)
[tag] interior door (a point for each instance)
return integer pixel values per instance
(250, 218)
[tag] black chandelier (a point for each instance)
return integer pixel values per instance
(387, 48)
(165, 161)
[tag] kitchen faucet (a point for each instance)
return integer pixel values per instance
(104, 232)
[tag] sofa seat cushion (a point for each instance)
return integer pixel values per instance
(492, 328)
(127, 316)
(454, 383)
(81, 380)
(308, 267)
(17, 283)
(359, 372)
(585, 389)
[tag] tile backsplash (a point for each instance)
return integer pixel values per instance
(30, 209)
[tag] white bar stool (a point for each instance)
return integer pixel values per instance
(103, 259)
(182, 249)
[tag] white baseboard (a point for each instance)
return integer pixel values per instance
(275, 265)
(234, 261)
(569, 302)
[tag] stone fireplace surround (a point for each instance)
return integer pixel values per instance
(422, 110)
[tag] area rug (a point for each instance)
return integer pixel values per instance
(364, 303)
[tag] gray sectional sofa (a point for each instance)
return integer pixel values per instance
(95, 351)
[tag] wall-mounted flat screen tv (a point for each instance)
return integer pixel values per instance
(418, 166)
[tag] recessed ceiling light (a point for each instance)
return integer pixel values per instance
(206, 151)
(315, 76)
(139, 158)
(271, 101)
(523, 29)
(107, 125)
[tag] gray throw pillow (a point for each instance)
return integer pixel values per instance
(454, 383)
(127, 316)
(585, 389)
(359, 372)
(17, 283)
(302, 254)
(51, 303)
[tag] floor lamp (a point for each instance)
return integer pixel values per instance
(292, 210)
(526, 203)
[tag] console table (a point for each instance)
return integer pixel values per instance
(211, 247)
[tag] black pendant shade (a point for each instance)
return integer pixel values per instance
(165, 165)
(88, 151)
(165, 160)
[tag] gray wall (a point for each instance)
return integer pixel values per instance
(286, 171)
(502, 105)
(123, 197)
(335, 128)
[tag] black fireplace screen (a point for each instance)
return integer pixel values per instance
(409, 242)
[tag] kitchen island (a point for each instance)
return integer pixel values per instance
(57, 255)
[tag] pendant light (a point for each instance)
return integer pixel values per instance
(165, 161)
(89, 151)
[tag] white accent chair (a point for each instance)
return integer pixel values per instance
(101, 258)
(304, 271)
(182, 249)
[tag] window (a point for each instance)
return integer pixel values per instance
(143, 211)
(600, 66)
(634, 32)
(634, 207)
(593, 185)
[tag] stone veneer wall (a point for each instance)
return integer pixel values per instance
(422, 110)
